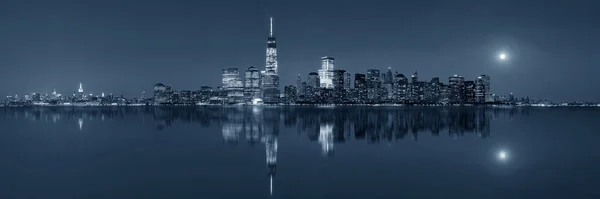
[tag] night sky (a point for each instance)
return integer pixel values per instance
(124, 47)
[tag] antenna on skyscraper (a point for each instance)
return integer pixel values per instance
(271, 27)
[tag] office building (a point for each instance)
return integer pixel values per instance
(251, 83)
(326, 72)
(482, 89)
(456, 86)
(373, 84)
(360, 88)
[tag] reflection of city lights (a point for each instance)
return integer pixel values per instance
(326, 138)
(80, 122)
(271, 185)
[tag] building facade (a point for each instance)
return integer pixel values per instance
(456, 86)
(326, 72)
(360, 93)
(251, 83)
(270, 76)
(482, 89)
(373, 84)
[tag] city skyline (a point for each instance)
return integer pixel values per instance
(47, 54)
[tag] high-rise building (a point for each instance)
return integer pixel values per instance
(456, 86)
(160, 94)
(373, 84)
(388, 85)
(401, 87)
(233, 84)
(360, 87)
(270, 76)
(80, 94)
(469, 94)
(251, 83)
(326, 72)
(229, 77)
(339, 84)
(205, 93)
(482, 89)
(347, 82)
(290, 94)
(432, 90)
(388, 77)
(312, 86)
(313, 80)
(414, 77)
(299, 89)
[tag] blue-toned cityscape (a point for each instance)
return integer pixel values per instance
(329, 85)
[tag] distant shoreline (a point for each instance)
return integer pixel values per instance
(314, 105)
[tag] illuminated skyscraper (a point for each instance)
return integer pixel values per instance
(360, 87)
(270, 77)
(252, 83)
(482, 89)
(80, 89)
(373, 84)
(456, 86)
(326, 72)
(233, 84)
(469, 93)
(313, 80)
(339, 78)
(401, 87)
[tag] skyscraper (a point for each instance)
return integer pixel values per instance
(233, 84)
(360, 87)
(339, 78)
(456, 86)
(347, 82)
(290, 94)
(373, 84)
(414, 77)
(401, 87)
(299, 89)
(80, 94)
(313, 80)
(326, 72)
(312, 86)
(160, 94)
(270, 76)
(80, 89)
(469, 93)
(251, 83)
(388, 84)
(482, 89)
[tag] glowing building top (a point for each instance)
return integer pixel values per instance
(80, 88)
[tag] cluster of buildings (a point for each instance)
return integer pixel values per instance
(332, 85)
(77, 97)
(328, 85)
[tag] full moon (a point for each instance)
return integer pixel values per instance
(502, 155)
(502, 56)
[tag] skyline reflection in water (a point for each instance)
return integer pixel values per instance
(342, 135)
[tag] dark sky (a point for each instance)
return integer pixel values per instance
(125, 47)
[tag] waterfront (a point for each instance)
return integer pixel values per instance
(299, 152)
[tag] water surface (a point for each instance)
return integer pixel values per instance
(299, 152)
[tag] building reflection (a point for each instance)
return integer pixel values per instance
(260, 125)
(324, 126)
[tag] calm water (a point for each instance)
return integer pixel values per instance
(299, 152)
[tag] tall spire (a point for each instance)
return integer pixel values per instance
(271, 27)
(80, 88)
